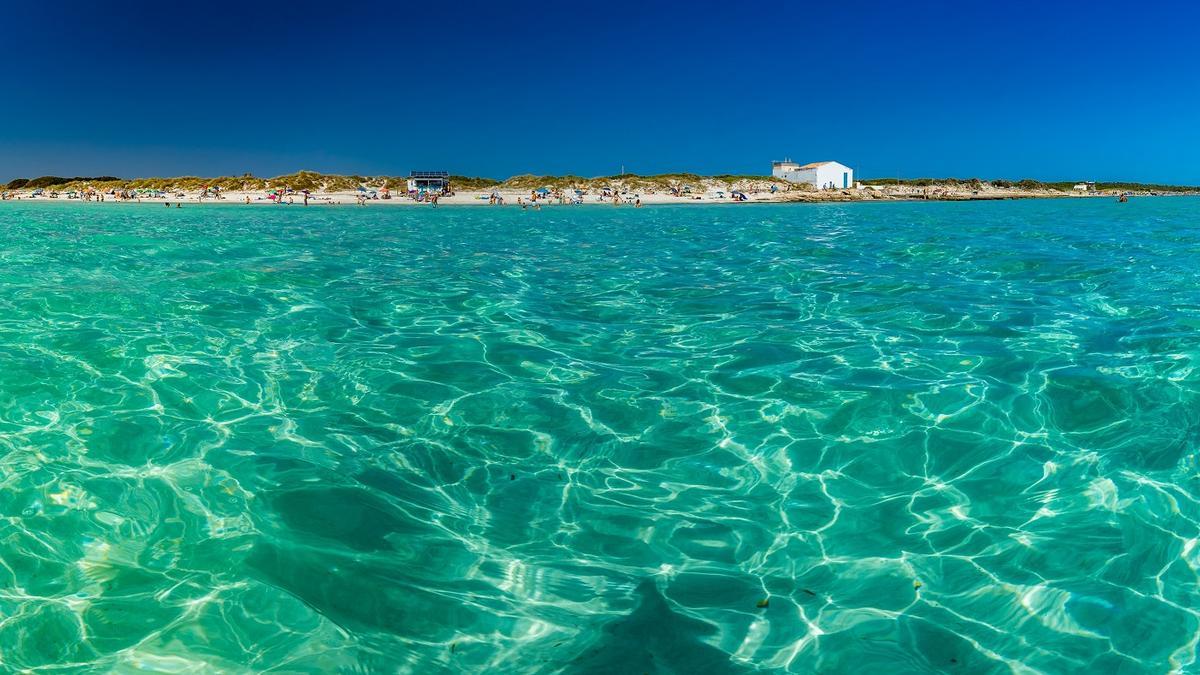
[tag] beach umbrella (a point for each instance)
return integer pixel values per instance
(543, 191)
(362, 189)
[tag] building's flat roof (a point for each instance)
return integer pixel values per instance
(428, 174)
(813, 165)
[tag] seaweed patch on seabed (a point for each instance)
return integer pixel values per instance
(653, 639)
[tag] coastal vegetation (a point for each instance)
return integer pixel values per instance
(1026, 184)
(301, 180)
(311, 180)
(321, 182)
(53, 181)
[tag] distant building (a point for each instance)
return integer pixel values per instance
(429, 181)
(821, 175)
(782, 169)
(1089, 186)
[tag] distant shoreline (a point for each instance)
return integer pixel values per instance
(537, 191)
(479, 200)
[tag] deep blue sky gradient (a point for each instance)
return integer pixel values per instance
(1053, 90)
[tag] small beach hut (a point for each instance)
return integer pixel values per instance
(429, 181)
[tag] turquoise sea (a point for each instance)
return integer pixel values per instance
(906, 437)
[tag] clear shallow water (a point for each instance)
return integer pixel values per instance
(593, 440)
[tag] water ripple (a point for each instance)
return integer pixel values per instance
(814, 438)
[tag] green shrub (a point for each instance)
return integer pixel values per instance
(458, 182)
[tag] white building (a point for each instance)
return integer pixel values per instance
(1089, 186)
(429, 181)
(821, 175)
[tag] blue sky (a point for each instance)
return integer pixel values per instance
(1055, 91)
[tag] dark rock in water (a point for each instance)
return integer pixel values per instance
(362, 595)
(351, 517)
(654, 639)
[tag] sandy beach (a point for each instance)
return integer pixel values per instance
(626, 195)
